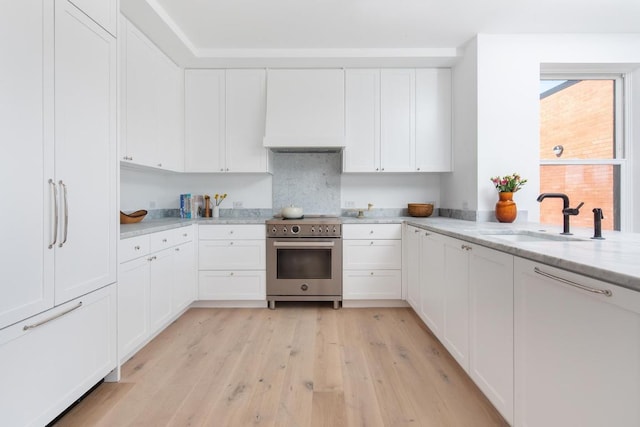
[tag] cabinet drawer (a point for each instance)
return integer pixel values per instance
(165, 239)
(372, 284)
(372, 254)
(232, 285)
(132, 248)
(372, 231)
(70, 351)
(231, 254)
(184, 234)
(232, 231)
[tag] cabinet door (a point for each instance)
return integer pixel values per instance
(577, 352)
(133, 306)
(372, 254)
(184, 280)
(455, 333)
(362, 115)
(160, 289)
(232, 285)
(433, 283)
(371, 284)
(85, 150)
(170, 109)
(26, 162)
(413, 261)
(491, 326)
(433, 120)
(204, 125)
(397, 117)
(139, 99)
(234, 254)
(246, 97)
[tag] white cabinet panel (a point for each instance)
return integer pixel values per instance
(104, 12)
(433, 120)
(26, 84)
(246, 95)
(491, 326)
(397, 120)
(372, 254)
(160, 289)
(46, 368)
(577, 352)
(432, 277)
(232, 232)
(362, 151)
(184, 278)
(378, 284)
(85, 152)
(412, 260)
(372, 231)
(170, 111)
(232, 285)
(204, 120)
(455, 333)
(231, 254)
(133, 306)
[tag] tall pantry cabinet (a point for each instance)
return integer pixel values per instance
(58, 168)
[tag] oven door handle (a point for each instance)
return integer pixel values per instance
(281, 244)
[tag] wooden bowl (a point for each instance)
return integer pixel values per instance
(420, 209)
(133, 217)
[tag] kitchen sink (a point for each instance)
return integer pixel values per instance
(529, 236)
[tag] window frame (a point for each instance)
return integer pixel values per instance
(622, 152)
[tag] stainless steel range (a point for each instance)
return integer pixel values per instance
(304, 260)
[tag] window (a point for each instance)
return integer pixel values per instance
(582, 147)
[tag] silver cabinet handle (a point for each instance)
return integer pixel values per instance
(286, 244)
(55, 212)
(66, 213)
(136, 248)
(466, 247)
(54, 317)
(164, 240)
(605, 292)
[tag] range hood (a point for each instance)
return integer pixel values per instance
(305, 110)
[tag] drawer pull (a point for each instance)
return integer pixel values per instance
(184, 235)
(164, 240)
(152, 258)
(605, 292)
(42, 322)
(136, 247)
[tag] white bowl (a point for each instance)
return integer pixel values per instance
(291, 212)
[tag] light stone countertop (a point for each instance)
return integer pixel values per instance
(615, 260)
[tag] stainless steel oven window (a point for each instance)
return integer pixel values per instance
(304, 263)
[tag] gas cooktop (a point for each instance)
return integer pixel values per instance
(307, 226)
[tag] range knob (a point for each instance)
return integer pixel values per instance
(313, 229)
(295, 229)
(284, 230)
(274, 230)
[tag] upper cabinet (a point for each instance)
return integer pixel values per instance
(225, 121)
(103, 12)
(398, 120)
(152, 107)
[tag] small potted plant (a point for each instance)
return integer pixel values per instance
(506, 210)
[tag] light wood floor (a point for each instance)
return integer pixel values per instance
(300, 365)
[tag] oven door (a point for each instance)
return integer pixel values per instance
(300, 266)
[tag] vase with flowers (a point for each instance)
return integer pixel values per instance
(218, 198)
(506, 209)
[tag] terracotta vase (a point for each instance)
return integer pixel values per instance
(506, 210)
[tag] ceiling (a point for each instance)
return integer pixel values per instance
(209, 32)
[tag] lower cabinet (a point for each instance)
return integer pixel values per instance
(231, 262)
(153, 285)
(53, 358)
(577, 350)
(372, 262)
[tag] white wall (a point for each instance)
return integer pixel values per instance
(635, 148)
(149, 189)
(508, 72)
(390, 190)
(459, 188)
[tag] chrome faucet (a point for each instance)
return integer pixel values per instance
(566, 210)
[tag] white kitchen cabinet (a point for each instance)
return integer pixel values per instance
(577, 350)
(232, 285)
(372, 261)
(26, 112)
(104, 12)
(225, 121)
(491, 326)
(53, 358)
(433, 120)
(362, 114)
(85, 154)
(232, 262)
(397, 120)
(412, 259)
(157, 281)
(432, 281)
(152, 118)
